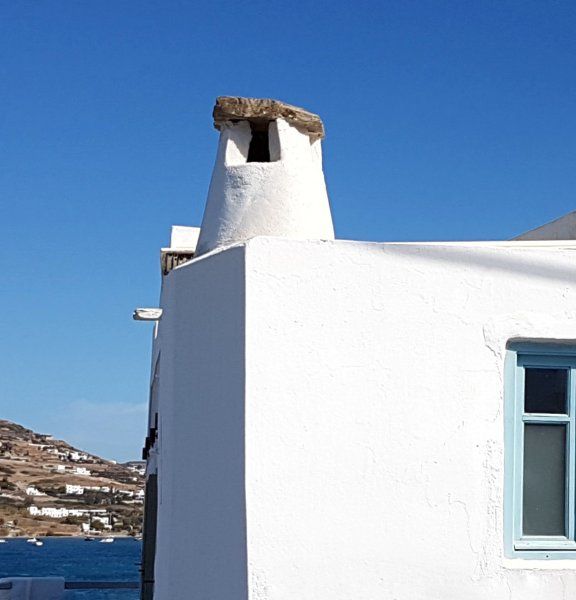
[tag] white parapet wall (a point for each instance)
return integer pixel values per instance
(332, 422)
(199, 388)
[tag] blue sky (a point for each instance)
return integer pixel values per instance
(445, 120)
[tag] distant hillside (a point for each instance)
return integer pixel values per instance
(48, 487)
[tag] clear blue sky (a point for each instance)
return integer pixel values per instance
(445, 120)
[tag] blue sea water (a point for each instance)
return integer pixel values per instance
(76, 560)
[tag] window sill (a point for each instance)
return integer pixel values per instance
(532, 564)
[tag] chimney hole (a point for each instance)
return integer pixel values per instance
(259, 150)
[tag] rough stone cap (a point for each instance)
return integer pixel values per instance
(259, 110)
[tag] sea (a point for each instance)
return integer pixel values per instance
(76, 560)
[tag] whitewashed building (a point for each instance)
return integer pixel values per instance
(98, 488)
(343, 420)
(81, 471)
(55, 512)
(75, 456)
(49, 511)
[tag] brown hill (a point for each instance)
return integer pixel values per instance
(48, 487)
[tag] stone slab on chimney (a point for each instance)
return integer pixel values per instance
(231, 108)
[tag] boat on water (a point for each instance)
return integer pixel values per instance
(38, 543)
(89, 539)
(31, 540)
(2, 541)
(107, 540)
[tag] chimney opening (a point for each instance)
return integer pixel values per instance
(259, 150)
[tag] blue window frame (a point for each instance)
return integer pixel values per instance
(540, 455)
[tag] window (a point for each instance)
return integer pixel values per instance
(259, 149)
(540, 452)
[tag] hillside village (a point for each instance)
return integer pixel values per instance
(48, 487)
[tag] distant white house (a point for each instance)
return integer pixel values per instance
(105, 520)
(32, 491)
(81, 471)
(49, 511)
(77, 456)
(72, 489)
(136, 466)
(98, 488)
(61, 513)
(135, 496)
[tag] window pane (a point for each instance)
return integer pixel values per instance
(545, 390)
(544, 480)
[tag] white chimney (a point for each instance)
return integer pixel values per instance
(268, 177)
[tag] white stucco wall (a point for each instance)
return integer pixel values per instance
(332, 419)
(374, 416)
(201, 539)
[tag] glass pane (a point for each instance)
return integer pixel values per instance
(545, 390)
(544, 480)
